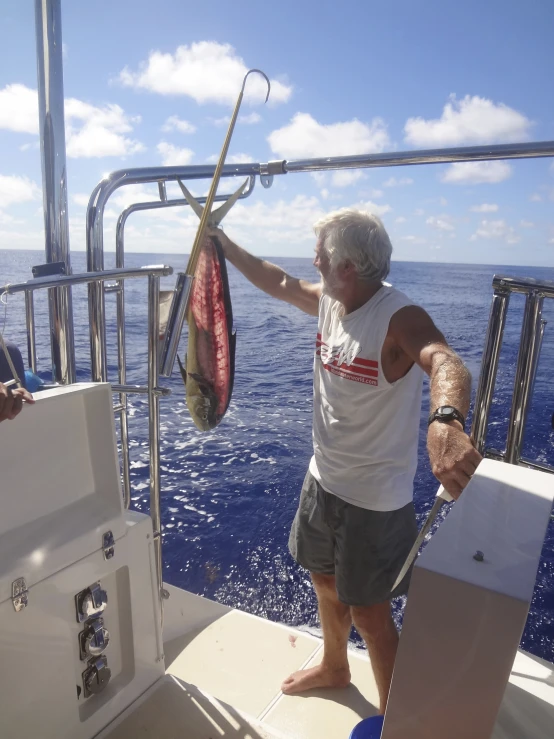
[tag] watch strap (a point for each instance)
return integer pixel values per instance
(454, 415)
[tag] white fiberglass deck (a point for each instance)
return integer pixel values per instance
(224, 669)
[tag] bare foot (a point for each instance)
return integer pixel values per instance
(316, 677)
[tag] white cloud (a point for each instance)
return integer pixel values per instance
(81, 198)
(371, 207)
(206, 71)
(277, 223)
(239, 158)
(472, 120)
(443, 202)
(19, 109)
(130, 194)
(401, 219)
(419, 212)
(484, 208)
(305, 137)
(90, 131)
(174, 123)
(346, 177)
(172, 156)
(440, 223)
(28, 147)
(325, 193)
(535, 198)
(463, 173)
(496, 230)
(527, 224)
(99, 131)
(15, 189)
(393, 182)
(249, 119)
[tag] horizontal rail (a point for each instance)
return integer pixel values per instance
(422, 156)
(87, 277)
(523, 285)
(140, 390)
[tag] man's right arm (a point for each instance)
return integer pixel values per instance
(269, 277)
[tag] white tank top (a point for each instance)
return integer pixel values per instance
(365, 429)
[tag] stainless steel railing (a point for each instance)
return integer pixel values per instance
(531, 335)
(532, 332)
(152, 389)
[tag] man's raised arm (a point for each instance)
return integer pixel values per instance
(268, 277)
(452, 455)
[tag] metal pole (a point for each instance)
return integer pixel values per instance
(525, 373)
(154, 423)
(31, 336)
(122, 367)
(54, 180)
(422, 156)
(489, 368)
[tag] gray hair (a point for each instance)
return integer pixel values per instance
(360, 238)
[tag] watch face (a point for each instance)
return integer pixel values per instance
(447, 410)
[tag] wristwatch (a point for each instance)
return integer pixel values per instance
(446, 413)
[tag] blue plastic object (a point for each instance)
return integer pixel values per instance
(32, 381)
(369, 728)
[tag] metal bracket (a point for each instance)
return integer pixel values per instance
(19, 594)
(269, 169)
(266, 180)
(108, 545)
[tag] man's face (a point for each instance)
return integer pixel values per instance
(331, 282)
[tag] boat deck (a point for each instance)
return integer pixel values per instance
(224, 669)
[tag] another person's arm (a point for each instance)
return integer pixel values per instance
(269, 277)
(11, 401)
(453, 457)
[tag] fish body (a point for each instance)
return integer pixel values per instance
(209, 369)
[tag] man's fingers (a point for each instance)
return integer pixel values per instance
(17, 405)
(6, 405)
(25, 395)
(452, 487)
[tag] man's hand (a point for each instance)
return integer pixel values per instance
(11, 401)
(453, 457)
(221, 236)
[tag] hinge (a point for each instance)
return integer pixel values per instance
(20, 594)
(108, 545)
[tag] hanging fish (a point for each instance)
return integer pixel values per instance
(209, 370)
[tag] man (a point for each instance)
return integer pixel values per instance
(355, 522)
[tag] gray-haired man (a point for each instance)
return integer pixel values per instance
(355, 522)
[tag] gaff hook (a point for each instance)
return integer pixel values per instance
(264, 75)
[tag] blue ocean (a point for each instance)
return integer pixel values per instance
(229, 496)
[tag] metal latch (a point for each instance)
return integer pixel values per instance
(94, 639)
(108, 545)
(19, 594)
(90, 602)
(96, 676)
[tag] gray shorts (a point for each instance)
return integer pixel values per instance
(365, 550)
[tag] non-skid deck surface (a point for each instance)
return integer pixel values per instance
(224, 669)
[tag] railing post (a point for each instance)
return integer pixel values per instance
(489, 368)
(31, 336)
(54, 180)
(527, 361)
(154, 423)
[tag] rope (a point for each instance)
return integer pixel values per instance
(4, 300)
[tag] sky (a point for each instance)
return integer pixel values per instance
(150, 84)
